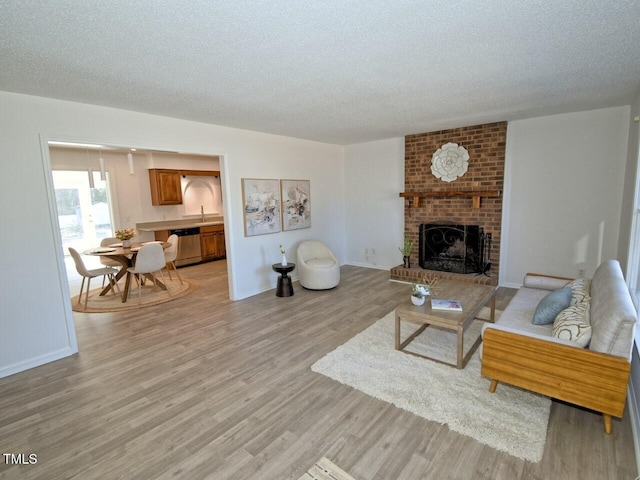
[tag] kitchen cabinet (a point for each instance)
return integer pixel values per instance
(162, 235)
(212, 242)
(165, 187)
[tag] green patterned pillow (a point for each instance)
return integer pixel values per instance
(580, 288)
(573, 324)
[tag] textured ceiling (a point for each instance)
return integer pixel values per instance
(329, 70)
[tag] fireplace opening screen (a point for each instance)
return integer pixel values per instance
(452, 248)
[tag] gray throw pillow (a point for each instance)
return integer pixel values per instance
(551, 305)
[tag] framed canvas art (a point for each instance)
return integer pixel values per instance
(261, 206)
(296, 204)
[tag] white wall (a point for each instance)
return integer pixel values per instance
(34, 296)
(564, 179)
(374, 178)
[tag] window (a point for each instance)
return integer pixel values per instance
(633, 266)
(84, 214)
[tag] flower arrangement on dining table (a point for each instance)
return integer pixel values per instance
(125, 234)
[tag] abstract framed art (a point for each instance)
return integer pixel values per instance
(296, 204)
(261, 206)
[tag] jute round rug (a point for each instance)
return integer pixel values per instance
(150, 295)
(511, 420)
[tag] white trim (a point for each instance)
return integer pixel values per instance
(510, 285)
(634, 413)
(36, 362)
(506, 210)
(367, 265)
(225, 185)
(62, 275)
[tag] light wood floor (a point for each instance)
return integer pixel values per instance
(202, 387)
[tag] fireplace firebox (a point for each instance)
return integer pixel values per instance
(454, 248)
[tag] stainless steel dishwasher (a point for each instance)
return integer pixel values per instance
(188, 246)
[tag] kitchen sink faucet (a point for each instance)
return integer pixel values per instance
(202, 212)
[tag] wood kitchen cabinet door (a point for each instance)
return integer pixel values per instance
(165, 187)
(212, 242)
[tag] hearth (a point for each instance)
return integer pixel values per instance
(454, 248)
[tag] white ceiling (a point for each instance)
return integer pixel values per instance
(335, 71)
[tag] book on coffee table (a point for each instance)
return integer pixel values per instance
(452, 305)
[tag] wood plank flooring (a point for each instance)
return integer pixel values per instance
(202, 387)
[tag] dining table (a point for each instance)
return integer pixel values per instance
(126, 256)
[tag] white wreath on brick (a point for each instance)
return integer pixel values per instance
(450, 162)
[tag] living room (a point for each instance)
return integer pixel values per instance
(568, 201)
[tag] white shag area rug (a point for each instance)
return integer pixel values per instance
(511, 420)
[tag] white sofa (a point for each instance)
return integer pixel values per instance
(528, 356)
(318, 267)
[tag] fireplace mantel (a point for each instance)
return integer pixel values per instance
(475, 195)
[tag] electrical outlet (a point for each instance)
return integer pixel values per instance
(581, 273)
(366, 254)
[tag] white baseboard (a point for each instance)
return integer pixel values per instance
(35, 362)
(511, 285)
(368, 265)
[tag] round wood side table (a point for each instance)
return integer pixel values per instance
(285, 287)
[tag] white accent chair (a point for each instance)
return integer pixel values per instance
(106, 272)
(318, 268)
(150, 259)
(170, 254)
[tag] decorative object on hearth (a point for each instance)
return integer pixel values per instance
(450, 162)
(406, 250)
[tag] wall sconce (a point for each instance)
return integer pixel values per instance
(103, 175)
(90, 170)
(130, 159)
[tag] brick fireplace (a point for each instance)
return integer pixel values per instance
(448, 203)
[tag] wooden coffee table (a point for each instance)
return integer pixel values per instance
(472, 297)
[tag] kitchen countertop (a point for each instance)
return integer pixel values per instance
(174, 224)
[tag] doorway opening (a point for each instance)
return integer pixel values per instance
(87, 214)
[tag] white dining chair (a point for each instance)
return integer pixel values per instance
(106, 261)
(150, 259)
(88, 274)
(170, 254)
